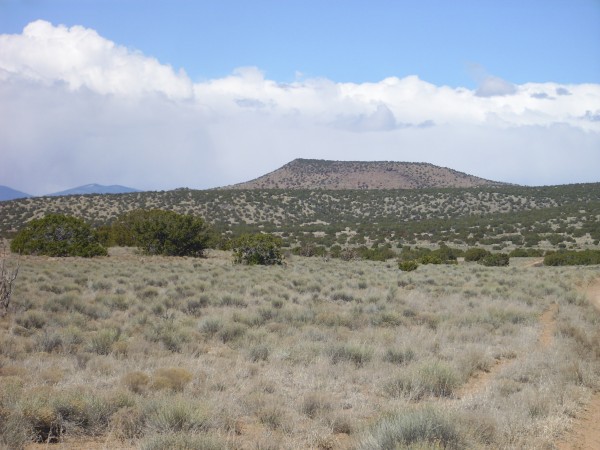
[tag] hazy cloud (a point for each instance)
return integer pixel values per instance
(540, 95)
(562, 91)
(592, 116)
(382, 119)
(76, 108)
(250, 103)
(493, 86)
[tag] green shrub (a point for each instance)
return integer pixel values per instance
(476, 254)
(526, 253)
(57, 235)
(263, 249)
(430, 259)
(158, 232)
(408, 266)
(382, 253)
(572, 258)
(495, 260)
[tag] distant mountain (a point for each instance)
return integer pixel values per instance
(95, 189)
(323, 174)
(7, 193)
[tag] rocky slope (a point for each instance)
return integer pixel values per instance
(323, 174)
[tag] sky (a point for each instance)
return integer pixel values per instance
(158, 95)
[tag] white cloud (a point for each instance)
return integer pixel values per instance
(76, 108)
(79, 57)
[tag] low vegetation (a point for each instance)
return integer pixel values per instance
(502, 218)
(160, 352)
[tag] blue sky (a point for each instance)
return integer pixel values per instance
(443, 42)
(158, 95)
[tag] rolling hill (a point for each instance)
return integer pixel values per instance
(334, 175)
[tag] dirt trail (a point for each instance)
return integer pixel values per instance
(539, 262)
(548, 321)
(479, 380)
(585, 434)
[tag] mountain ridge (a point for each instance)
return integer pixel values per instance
(94, 188)
(8, 193)
(337, 175)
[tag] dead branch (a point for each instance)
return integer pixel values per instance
(7, 278)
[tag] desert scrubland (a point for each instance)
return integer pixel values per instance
(150, 352)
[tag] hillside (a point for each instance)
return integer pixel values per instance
(506, 216)
(335, 175)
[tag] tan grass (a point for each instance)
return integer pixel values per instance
(284, 362)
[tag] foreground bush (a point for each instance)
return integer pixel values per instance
(57, 235)
(158, 232)
(252, 249)
(419, 429)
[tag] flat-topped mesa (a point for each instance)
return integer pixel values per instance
(324, 174)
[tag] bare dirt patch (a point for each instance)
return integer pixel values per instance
(548, 321)
(481, 379)
(538, 262)
(585, 435)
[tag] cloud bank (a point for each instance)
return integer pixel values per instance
(76, 108)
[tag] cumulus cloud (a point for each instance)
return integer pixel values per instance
(76, 108)
(79, 57)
